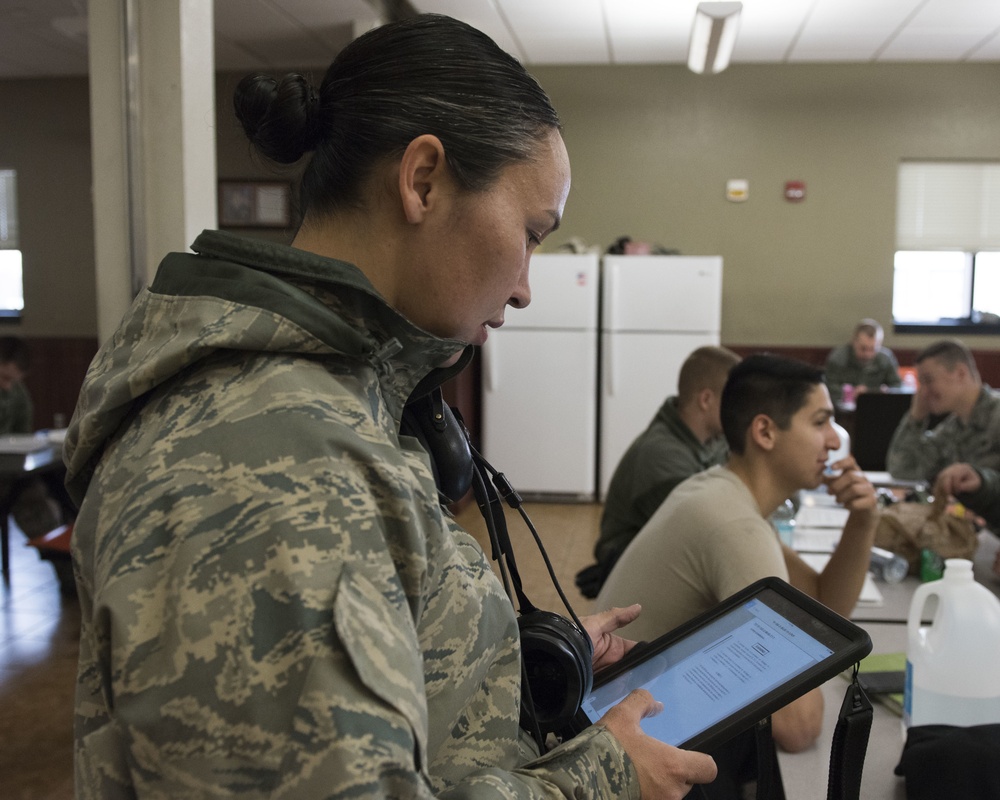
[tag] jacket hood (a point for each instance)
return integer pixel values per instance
(241, 294)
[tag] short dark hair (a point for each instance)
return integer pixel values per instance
(951, 353)
(705, 368)
(427, 74)
(14, 350)
(764, 384)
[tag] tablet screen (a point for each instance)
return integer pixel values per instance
(719, 669)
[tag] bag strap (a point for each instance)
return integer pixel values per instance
(850, 743)
(769, 783)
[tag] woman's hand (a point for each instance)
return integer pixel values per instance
(609, 648)
(665, 772)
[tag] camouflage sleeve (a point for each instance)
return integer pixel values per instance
(914, 452)
(592, 765)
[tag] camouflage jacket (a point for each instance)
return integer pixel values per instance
(917, 453)
(274, 603)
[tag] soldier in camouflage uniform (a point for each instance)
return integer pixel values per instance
(949, 384)
(274, 603)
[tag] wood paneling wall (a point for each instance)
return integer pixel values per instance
(988, 361)
(58, 366)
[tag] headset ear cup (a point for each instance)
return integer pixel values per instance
(558, 661)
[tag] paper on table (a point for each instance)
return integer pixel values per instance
(815, 540)
(886, 479)
(870, 595)
(822, 517)
(22, 443)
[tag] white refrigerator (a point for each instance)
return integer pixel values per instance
(654, 311)
(539, 374)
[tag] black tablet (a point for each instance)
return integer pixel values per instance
(726, 669)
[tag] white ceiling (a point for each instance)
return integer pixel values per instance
(48, 37)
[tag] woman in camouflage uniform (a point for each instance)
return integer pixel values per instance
(274, 602)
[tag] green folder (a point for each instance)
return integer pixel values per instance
(890, 665)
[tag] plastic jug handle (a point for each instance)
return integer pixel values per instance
(920, 598)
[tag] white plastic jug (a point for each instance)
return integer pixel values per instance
(953, 666)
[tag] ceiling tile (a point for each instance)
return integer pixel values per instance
(480, 14)
(944, 30)
(558, 31)
(649, 30)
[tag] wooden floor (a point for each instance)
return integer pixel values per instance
(39, 632)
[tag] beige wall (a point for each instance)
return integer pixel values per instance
(652, 148)
(45, 136)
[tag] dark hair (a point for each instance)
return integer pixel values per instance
(705, 368)
(764, 384)
(427, 74)
(14, 350)
(951, 353)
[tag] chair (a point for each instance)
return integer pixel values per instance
(876, 416)
(54, 547)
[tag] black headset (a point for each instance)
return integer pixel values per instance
(556, 652)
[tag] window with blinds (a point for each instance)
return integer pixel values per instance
(947, 264)
(11, 276)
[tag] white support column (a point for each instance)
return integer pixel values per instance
(152, 84)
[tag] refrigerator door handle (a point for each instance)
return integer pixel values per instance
(610, 365)
(611, 273)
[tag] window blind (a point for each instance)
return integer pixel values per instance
(948, 205)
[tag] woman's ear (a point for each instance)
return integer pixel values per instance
(422, 173)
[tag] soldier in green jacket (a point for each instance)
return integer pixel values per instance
(34, 505)
(685, 437)
(274, 601)
(863, 363)
(949, 387)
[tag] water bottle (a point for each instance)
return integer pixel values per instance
(843, 449)
(783, 521)
(887, 566)
(951, 666)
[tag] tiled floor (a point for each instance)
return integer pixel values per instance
(39, 630)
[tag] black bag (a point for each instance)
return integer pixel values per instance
(944, 761)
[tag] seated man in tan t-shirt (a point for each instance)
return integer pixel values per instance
(711, 536)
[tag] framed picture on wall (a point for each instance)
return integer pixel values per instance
(254, 204)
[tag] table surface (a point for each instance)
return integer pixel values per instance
(14, 464)
(805, 774)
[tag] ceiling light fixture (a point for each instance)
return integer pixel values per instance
(713, 36)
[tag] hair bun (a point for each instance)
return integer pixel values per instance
(281, 118)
